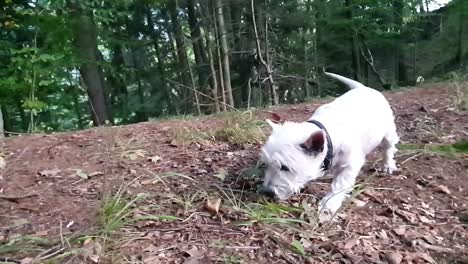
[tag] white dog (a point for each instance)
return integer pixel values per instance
(336, 138)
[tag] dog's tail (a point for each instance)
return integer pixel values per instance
(352, 84)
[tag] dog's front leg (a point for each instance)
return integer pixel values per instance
(341, 186)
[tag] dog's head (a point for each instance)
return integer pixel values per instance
(293, 155)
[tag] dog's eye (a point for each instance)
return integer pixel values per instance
(284, 168)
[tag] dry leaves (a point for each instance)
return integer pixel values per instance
(350, 243)
(49, 173)
(443, 189)
(393, 257)
(2, 163)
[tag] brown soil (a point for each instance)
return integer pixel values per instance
(410, 217)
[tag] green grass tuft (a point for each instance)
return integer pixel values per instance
(452, 150)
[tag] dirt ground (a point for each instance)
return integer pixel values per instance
(52, 189)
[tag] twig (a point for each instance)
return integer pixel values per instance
(13, 198)
(9, 260)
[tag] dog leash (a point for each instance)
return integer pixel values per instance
(327, 162)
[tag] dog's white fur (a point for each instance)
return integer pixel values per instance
(357, 122)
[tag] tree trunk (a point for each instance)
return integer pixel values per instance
(85, 43)
(182, 56)
(266, 65)
(214, 81)
(400, 67)
(2, 127)
(202, 67)
(6, 119)
(459, 55)
(353, 42)
(171, 109)
(224, 53)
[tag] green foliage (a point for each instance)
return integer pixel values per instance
(42, 70)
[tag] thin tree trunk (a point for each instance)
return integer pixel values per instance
(400, 67)
(86, 44)
(160, 64)
(219, 62)
(459, 55)
(6, 119)
(274, 97)
(2, 126)
(182, 56)
(224, 53)
(354, 42)
(214, 81)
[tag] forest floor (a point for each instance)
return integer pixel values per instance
(149, 193)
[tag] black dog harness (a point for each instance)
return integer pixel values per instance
(327, 162)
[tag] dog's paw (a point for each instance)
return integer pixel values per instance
(389, 168)
(328, 206)
(325, 216)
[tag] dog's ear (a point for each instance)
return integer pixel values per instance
(272, 124)
(315, 143)
(275, 118)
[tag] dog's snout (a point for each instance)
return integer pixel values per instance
(269, 193)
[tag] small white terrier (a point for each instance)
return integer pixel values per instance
(336, 138)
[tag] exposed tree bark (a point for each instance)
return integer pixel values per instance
(354, 42)
(224, 53)
(85, 43)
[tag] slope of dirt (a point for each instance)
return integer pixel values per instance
(53, 186)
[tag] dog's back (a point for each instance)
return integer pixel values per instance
(362, 114)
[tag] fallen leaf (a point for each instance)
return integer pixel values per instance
(426, 220)
(359, 203)
(94, 258)
(222, 173)
(212, 205)
(420, 255)
(2, 163)
(49, 173)
(444, 189)
(350, 243)
(394, 257)
(154, 159)
(96, 173)
(400, 230)
(26, 261)
(20, 221)
(383, 234)
(151, 248)
(194, 252)
(306, 243)
(42, 233)
(81, 174)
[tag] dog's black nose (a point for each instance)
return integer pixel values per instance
(269, 193)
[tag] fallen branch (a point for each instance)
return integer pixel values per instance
(14, 198)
